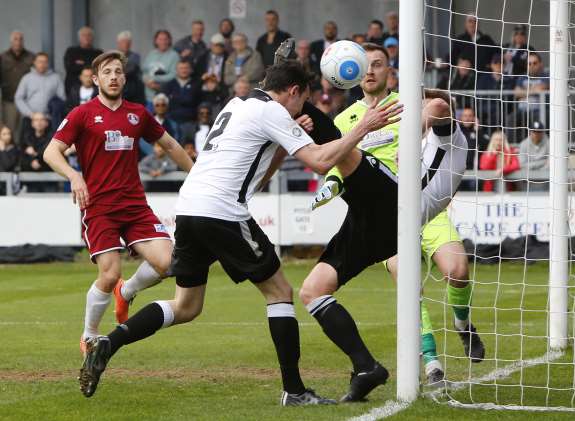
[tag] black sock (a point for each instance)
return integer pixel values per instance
(285, 334)
(141, 325)
(340, 327)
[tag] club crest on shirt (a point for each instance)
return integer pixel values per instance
(133, 119)
(296, 131)
(98, 119)
(116, 142)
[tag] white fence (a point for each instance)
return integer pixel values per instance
(287, 219)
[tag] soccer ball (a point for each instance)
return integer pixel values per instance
(344, 64)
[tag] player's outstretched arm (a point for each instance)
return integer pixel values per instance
(176, 152)
(54, 157)
(321, 158)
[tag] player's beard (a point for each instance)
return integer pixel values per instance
(375, 91)
(110, 97)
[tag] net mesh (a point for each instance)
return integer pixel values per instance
(502, 210)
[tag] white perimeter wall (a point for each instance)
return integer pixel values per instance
(287, 219)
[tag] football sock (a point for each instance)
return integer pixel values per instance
(428, 347)
(144, 323)
(460, 300)
(340, 327)
(145, 277)
(285, 334)
(96, 303)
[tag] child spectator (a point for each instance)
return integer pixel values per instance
(197, 132)
(156, 164)
(80, 94)
(9, 153)
(499, 157)
(34, 143)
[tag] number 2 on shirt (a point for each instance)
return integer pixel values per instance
(223, 122)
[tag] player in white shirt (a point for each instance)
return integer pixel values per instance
(213, 223)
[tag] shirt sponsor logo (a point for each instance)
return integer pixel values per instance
(379, 138)
(116, 142)
(98, 119)
(160, 228)
(62, 124)
(133, 119)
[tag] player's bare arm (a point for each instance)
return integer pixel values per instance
(321, 158)
(55, 158)
(175, 152)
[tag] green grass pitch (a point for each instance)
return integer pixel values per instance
(223, 366)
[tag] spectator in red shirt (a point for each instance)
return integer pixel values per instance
(105, 132)
(500, 157)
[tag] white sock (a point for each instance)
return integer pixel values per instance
(96, 303)
(145, 277)
(168, 313)
(460, 324)
(432, 365)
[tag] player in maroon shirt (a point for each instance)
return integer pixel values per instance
(105, 132)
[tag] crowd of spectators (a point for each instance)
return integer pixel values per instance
(186, 82)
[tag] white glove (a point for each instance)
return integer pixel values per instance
(327, 192)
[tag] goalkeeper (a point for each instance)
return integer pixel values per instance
(364, 237)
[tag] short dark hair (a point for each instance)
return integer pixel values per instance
(282, 76)
(535, 54)
(184, 61)
(165, 32)
(372, 46)
(107, 57)
(273, 12)
(377, 22)
(231, 22)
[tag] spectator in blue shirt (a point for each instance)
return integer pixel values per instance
(391, 44)
(184, 94)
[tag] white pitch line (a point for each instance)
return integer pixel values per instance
(499, 373)
(393, 407)
(390, 408)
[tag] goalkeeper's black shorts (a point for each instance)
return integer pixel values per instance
(368, 234)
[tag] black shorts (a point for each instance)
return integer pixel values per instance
(242, 248)
(368, 234)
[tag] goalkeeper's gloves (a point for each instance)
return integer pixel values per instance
(330, 190)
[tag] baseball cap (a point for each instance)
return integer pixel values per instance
(391, 42)
(217, 39)
(536, 125)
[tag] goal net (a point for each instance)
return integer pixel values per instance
(509, 66)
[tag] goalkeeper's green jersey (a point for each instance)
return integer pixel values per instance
(382, 143)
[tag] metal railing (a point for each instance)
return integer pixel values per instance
(278, 184)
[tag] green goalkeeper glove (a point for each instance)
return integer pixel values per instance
(330, 190)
